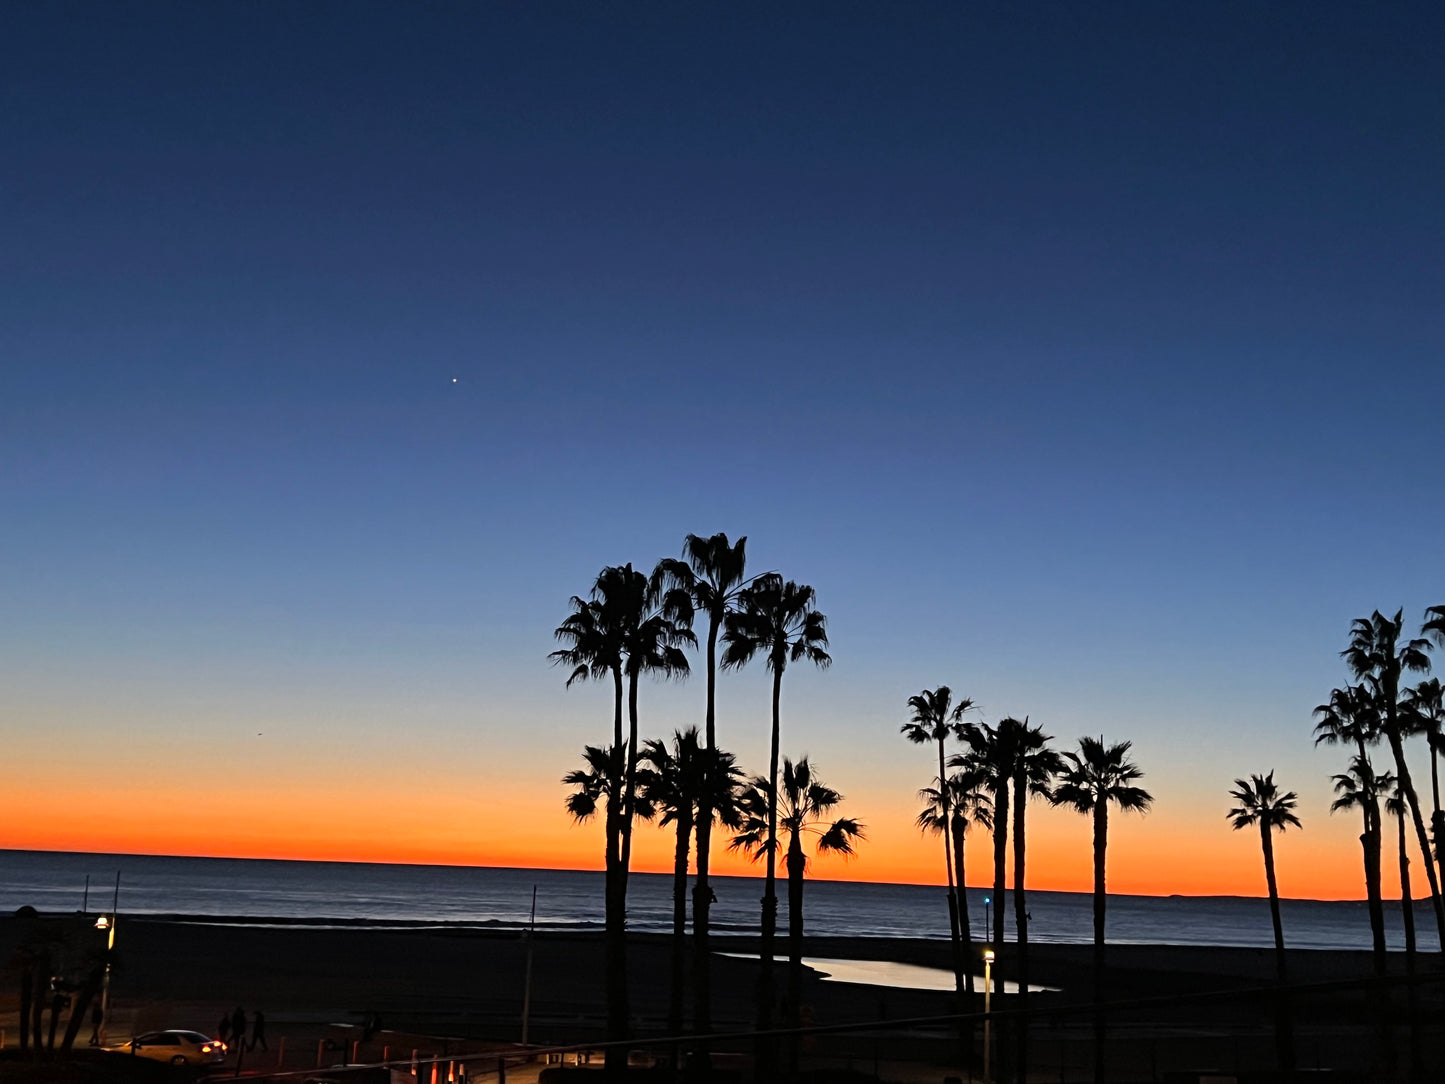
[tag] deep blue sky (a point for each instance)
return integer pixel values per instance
(1088, 358)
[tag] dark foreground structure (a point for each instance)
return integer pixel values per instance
(339, 998)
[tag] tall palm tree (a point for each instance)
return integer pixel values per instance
(1377, 657)
(1262, 803)
(713, 572)
(935, 718)
(779, 620)
(1351, 717)
(677, 781)
(991, 753)
(804, 805)
(966, 803)
(630, 625)
(1359, 787)
(1093, 778)
(1397, 807)
(1035, 765)
(1425, 709)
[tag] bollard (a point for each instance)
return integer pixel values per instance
(413, 1062)
(433, 1073)
(320, 1051)
(451, 1072)
(281, 1052)
(386, 1052)
(355, 1053)
(501, 1071)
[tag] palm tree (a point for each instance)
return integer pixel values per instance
(803, 808)
(1358, 787)
(1035, 765)
(936, 718)
(677, 783)
(1377, 657)
(713, 574)
(630, 625)
(1352, 717)
(990, 756)
(1425, 709)
(966, 803)
(1397, 807)
(1262, 803)
(1094, 777)
(779, 620)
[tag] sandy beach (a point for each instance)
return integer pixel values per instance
(454, 990)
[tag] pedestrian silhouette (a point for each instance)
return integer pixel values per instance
(223, 1029)
(97, 1017)
(258, 1030)
(238, 1029)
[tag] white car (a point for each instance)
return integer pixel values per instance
(176, 1047)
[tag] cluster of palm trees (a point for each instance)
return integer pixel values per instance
(1380, 707)
(633, 624)
(989, 782)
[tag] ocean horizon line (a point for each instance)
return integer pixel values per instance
(1418, 900)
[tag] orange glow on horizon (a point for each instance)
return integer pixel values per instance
(382, 819)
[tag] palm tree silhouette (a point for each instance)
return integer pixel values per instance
(779, 620)
(713, 574)
(1358, 787)
(1262, 803)
(629, 626)
(1425, 709)
(936, 718)
(1397, 807)
(1035, 765)
(990, 757)
(1378, 658)
(678, 781)
(1351, 717)
(966, 804)
(803, 807)
(1093, 778)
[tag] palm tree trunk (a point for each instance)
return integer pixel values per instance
(679, 928)
(1268, 843)
(1000, 855)
(1437, 815)
(1101, 844)
(1101, 898)
(953, 938)
(702, 888)
(1021, 918)
(1369, 843)
(963, 923)
(1021, 924)
(770, 889)
(1407, 788)
(615, 922)
(83, 998)
(796, 865)
(1407, 904)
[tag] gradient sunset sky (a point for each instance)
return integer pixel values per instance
(1087, 358)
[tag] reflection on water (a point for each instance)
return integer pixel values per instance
(904, 976)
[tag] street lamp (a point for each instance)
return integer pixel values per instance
(987, 999)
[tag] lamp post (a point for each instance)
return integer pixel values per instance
(987, 1000)
(987, 918)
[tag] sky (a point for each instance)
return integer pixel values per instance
(1084, 358)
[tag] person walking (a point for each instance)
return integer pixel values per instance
(258, 1030)
(223, 1029)
(238, 1030)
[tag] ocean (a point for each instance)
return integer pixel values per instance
(321, 893)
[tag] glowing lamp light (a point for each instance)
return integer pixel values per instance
(988, 956)
(102, 923)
